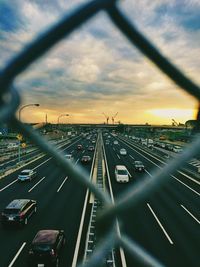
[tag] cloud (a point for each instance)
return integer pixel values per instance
(96, 69)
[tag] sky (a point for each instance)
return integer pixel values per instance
(96, 70)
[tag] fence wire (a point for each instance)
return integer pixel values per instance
(10, 100)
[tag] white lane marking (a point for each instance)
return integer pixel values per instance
(62, 184)
(122, 254)
(113, 148)
(187, 176)
(186, 185)
(77, 161)
(41, 164)
(161, 168)
(51, 157)
(164, 231)
(190, 214)
(131, 157)
(129, 173)
(72, 151)
(8, 185)
(36, 184)
(148, 173)
(118, 156)
(17, 254)
(74, 262)
(78, 241)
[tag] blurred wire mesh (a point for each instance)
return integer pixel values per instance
(10, 100)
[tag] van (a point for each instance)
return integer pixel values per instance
(121, 174)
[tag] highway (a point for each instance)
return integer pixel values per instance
(60, 203)
(166, 224)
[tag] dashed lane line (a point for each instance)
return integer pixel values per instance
(36, 184)
(190, 214)
(8, 185)
(161, 226)
(62, 184)
(17, 254)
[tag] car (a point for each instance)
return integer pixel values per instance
(12, 145)
(115, 142)
(169, 147)
(123, 152)
(18, 211)
(26, 175)
(93, 141)
(139, 166)
(79, 147)
(177, 149)
(91, 148)
(69, 157)
(107, 142)
(86, 159)
(121, 174)
(46, 247)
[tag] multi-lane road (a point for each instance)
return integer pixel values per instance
(166, 224)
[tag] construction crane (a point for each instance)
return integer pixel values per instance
(113, 118)
(107, 118)
(174, 123)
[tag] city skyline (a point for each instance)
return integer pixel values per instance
(96, 70)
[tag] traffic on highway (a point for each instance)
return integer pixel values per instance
(45, 213)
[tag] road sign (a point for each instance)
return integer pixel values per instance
(23, 145)
(20, 137)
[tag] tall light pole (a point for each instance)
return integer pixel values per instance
(28, 105)
(20, 110)
(62, 116)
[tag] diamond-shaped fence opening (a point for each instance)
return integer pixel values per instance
(10, 100)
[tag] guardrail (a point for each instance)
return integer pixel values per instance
(92, 234)
(133, 196)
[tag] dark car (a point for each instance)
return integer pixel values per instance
(18, 211)
(86, 159)
(79, 147)
(138, 166)
(46, 247)
(91, 148)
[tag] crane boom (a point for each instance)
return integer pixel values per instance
(107, 117)
(113, 118)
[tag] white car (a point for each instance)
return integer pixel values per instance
(121, 174)
(116, 142)
(123, 152)
(69, 157)
(177, 149)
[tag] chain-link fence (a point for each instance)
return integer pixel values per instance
(10, 100)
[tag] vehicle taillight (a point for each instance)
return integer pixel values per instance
(21, 215)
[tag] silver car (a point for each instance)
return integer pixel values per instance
(26, 175)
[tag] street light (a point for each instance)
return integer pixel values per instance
(28, 105)
(20, 110)
(62, 116)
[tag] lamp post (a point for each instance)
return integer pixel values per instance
(28, 105)
(62, 116)
(19, 144)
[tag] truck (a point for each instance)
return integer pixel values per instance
(147, 142)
